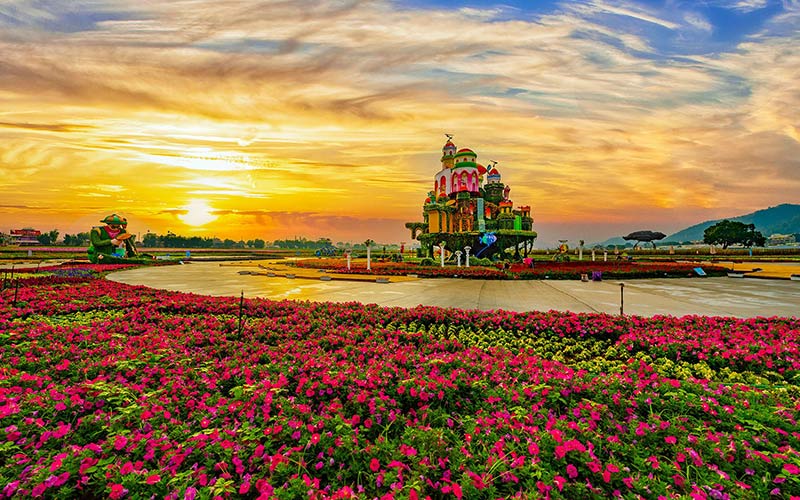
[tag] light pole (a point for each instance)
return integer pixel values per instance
(458, 257)
(441, 251)
(466, 250)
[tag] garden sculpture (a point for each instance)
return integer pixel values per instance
(112, 243)
(562, 255)
(644, 236)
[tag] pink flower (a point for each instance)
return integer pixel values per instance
(374, 465)
(407, 450)
(560, 481)
(791, 468)
(670, 440)
(10, 488)
(153, 479)
(126, 469)
(572, 471)
(117, 491)
(39, 489)
(120, 442)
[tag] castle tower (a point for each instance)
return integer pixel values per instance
(448, 154)
(494, 188)
(464, 177)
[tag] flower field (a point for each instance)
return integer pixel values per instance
(541, 270)
(114, 391)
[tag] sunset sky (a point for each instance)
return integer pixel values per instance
(274, 119)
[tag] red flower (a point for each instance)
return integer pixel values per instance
(374, 465)
(117, 491)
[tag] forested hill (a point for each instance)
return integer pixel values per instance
(781, 219)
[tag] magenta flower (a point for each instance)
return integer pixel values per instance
(791, 468)
(120, 442)
(572, 471)
(117, 491)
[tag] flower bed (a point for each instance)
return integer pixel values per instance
(619, 270)
(109, 390)
(541, 270)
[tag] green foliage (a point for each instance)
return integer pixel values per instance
(76, 240)
(477, 261)
(728, 232)
(49, 237)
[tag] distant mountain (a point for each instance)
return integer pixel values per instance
(782, 219)
(616, 241)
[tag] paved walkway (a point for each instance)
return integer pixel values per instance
(678, 297)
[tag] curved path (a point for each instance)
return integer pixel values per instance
(678, 297)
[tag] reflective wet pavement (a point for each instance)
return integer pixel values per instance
(677, 297)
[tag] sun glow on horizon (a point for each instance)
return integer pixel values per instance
(198, 213)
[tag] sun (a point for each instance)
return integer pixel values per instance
(198, 213)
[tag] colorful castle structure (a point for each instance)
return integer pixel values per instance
(469, 206)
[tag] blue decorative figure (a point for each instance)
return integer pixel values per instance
(487, 239)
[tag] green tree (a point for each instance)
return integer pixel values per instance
(150, 240)
(728, 233)
(48, 238)
(259, 243)
(76, 240)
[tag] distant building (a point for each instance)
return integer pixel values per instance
(781, 239)
(26, 236)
